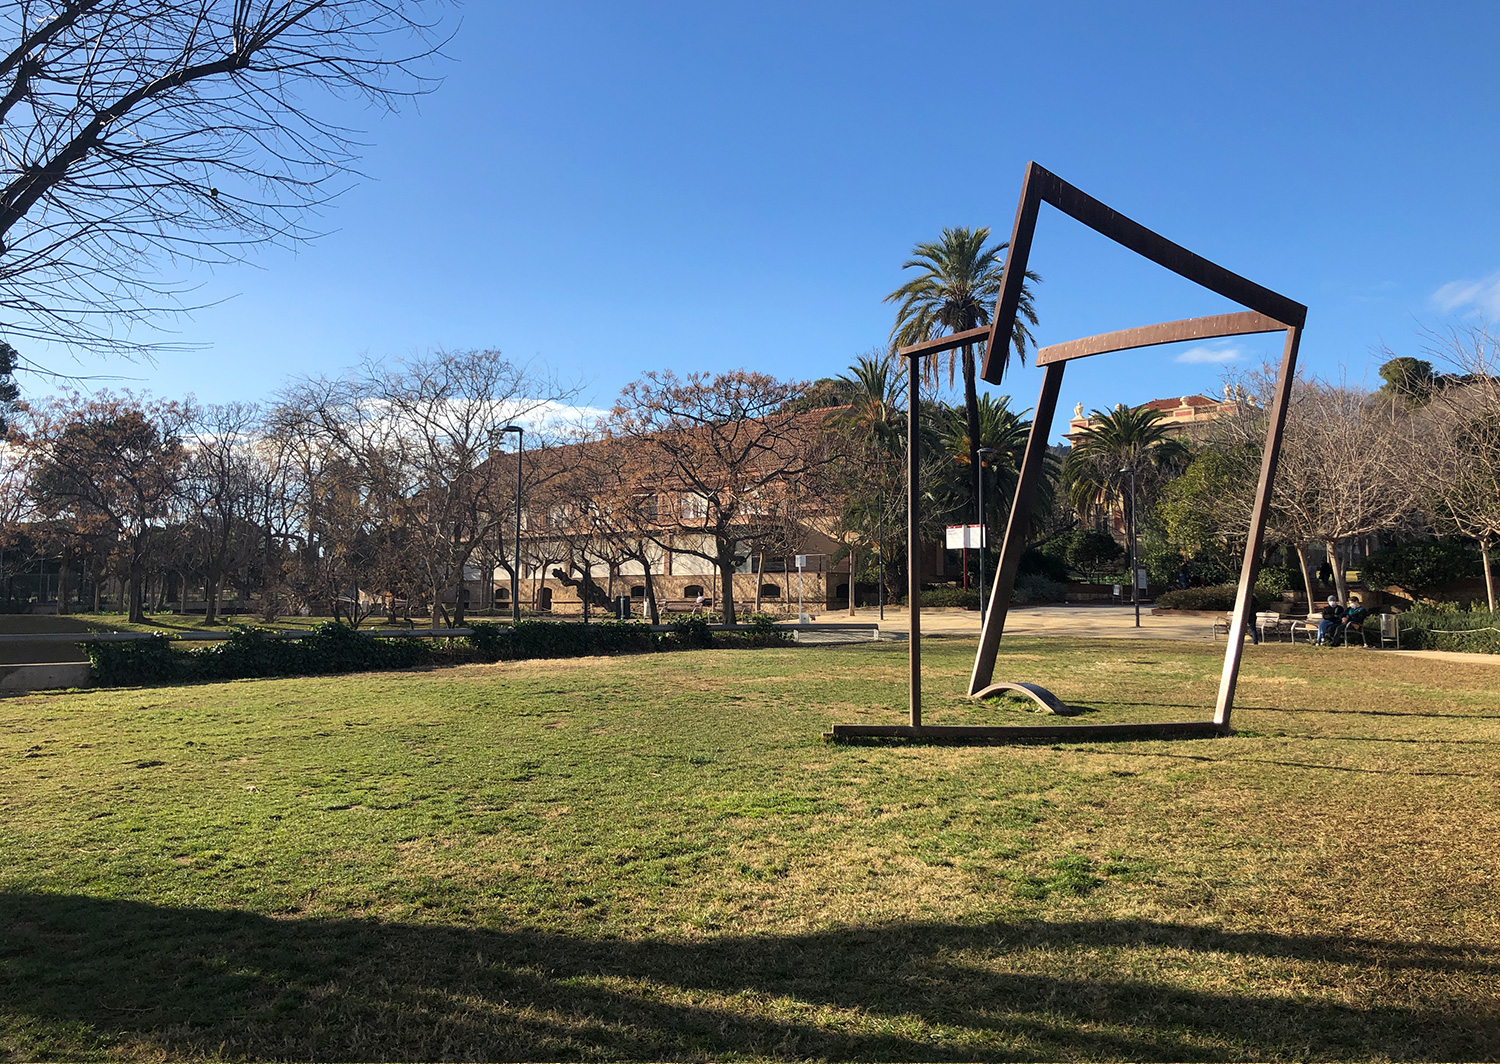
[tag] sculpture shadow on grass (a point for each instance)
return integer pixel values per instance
(81, 976)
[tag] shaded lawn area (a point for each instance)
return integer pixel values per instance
(656, 857)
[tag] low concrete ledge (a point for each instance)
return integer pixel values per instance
(44, 676)
(1013, 733)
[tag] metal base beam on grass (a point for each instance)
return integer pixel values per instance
(1027, 733)
(1267, 311)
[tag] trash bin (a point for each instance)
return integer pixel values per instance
(622, 607)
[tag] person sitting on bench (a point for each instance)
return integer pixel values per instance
(1354, 621)
(1333, 614)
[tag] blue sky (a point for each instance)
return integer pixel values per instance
(618, 188)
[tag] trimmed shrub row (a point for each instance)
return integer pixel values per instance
(335, 648)
(1471, 631)
(1217, 597)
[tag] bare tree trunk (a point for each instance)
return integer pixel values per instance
(651, 610)
(851, 581)
(726, 578)
(62, 578)
(1307, 579)
(1489, 576)
(210, 598)
(137, 614)
(1341, 585)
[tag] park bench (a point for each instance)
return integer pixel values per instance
(679, 606)
(1270, 625)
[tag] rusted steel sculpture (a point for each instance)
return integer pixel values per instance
(1267, 312)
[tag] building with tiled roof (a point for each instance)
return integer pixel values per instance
(1187, 415)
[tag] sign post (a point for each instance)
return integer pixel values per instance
(801, 564)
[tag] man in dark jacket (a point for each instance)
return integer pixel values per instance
(1333, 615)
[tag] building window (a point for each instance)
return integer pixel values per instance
(692, 591)
(770, 591)
(639, 591)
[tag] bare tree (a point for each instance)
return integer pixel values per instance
(728, 453)
(114, 461)
(421, 433)
(1461, 466)
(134, 132)
(1344, 470)
(221, 493)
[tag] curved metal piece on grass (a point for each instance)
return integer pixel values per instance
(1038, 694)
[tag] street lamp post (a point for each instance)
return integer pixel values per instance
(984, 528)
(515, 572)
(1135, 591)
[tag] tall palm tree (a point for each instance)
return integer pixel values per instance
(1127, 437)
(954, 292)
(873, 390)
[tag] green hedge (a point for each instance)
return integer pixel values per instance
(1471, 631)
(335, 648)
(951, 596)
(1217, 597)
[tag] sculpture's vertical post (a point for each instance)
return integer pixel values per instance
(913, 536)
(1251, 565)
(1015, 529)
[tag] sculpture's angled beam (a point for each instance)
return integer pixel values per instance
(1015, 530)
(913, 539)
(1041, 186)
(1243, 323)
(1251, 565)
(945, 343)
(1013, 276)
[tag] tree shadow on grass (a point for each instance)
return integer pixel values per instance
(85, 976)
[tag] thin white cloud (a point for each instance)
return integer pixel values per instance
(1212, 353)
(1482, 295)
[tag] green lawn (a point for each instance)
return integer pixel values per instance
(656, 857)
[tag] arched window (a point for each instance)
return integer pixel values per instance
(692, 591)
(770, 591)
(638, 591)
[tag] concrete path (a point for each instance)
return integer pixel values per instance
(1101, 622)
(1117, 622)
